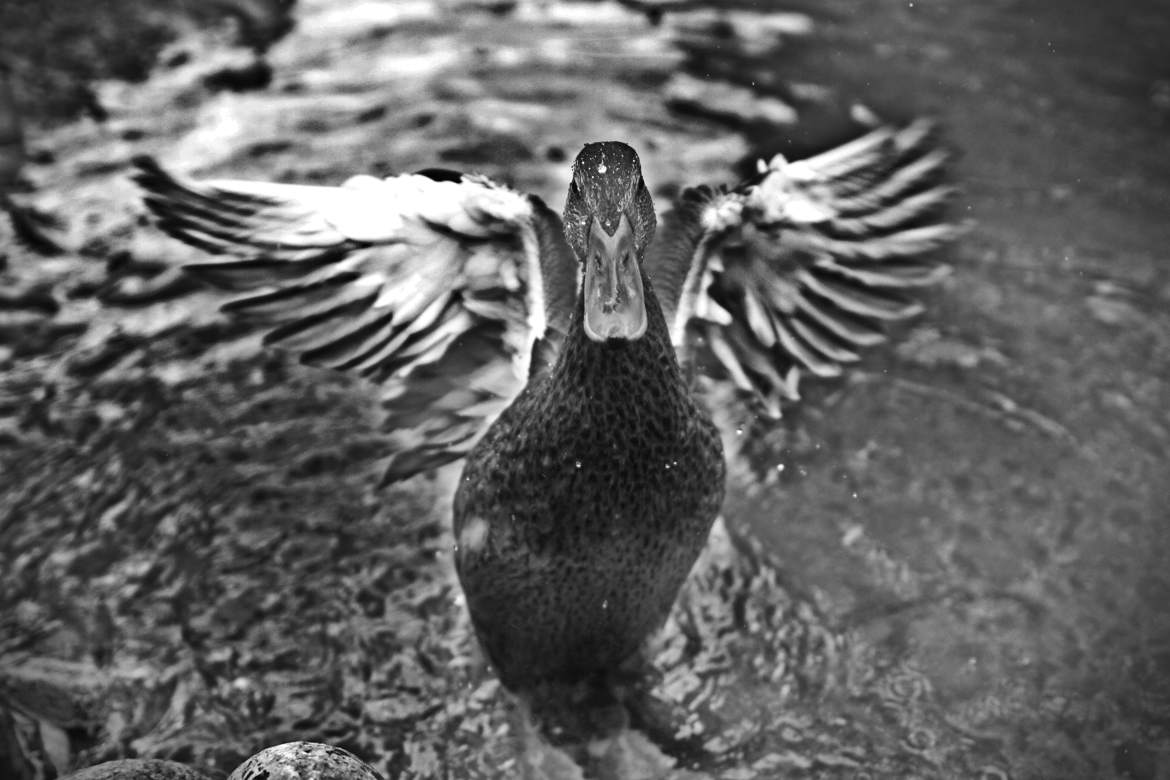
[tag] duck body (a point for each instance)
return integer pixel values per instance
(583, 507)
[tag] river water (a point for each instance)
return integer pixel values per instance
(961, 561)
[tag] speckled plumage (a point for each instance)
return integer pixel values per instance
(584, 506)
(607, 183)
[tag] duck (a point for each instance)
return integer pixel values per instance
(559, 355)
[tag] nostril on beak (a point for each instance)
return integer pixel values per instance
(615, 299)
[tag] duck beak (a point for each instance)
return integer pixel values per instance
(615, 303)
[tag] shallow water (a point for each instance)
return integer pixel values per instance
(985, 512)
(968, 533)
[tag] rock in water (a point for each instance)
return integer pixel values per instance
(304, 761)
(137, 769)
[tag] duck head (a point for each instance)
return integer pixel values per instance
(609, 222)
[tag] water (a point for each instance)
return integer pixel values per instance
(961, 563)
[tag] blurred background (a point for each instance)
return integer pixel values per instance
(196, 560)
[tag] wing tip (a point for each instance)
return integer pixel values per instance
(149, 174)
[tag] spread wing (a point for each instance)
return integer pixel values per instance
(448, 290)
(795, 270)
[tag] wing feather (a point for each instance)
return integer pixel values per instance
(840, 323)
(796, 270)
(858, 299)
(435, 287)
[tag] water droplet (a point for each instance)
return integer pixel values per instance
(601, 168)
(577, 463)
(779, 466)
(605, 604)
(739, 430)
